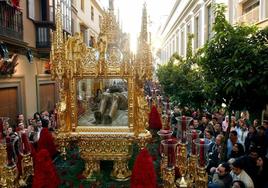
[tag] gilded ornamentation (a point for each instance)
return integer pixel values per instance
(120, 170)
(169, 178)
(192, 169)
(110, 58)
(8, 174)
(27, 167)
(163, 166)
(181, 159)
(92, 167)
(201, 178)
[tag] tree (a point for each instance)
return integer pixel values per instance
(235, 66)
(181, 79)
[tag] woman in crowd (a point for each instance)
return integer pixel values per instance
(262, 172)
(237, 150)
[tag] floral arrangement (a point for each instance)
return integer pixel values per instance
(7, 67)
(48, 67)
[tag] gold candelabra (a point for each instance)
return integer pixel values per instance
(201, 178)
(192, 172)
(169, 177)
(191, 159)
(8, 174)
(180, 162)
(27, 168)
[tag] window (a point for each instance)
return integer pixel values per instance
(188, 33)
(209, 22)
(92, 13)
(83, 30)
(31, 9)
(51, 10)
(66, 15)
(173, 45)
(100, 19)
(82, 5)
(250, 5)
(92, 41)
(72, 26)
(178, 41)
(189, 28)
(196, 32)
(182, 43)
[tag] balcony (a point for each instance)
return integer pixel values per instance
(11, 24)
(250, 17)
(43, 27)
(42, 36)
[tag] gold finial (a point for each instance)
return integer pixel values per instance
(144, 31)
(59, 34)
(144, 59)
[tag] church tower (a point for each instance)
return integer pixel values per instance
(144, 55)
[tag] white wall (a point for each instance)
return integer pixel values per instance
(182, 18)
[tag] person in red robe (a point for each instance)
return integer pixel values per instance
(45, 174)
(46, 140)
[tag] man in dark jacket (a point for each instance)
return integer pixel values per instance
(221, 177)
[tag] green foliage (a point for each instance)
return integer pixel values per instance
(234, 64)
(181, 79)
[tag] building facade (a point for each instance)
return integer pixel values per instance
(249, 11)
(86, 18)
(196, 17)
(26, 30)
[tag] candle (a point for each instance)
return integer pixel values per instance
(168, 121)
(171, 153)
(9, 150)
(183, 128)
(202, 153)
(194, 136)
(25, 143)
(167, 107)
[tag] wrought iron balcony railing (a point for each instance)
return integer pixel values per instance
(42, 36)
(11, 24)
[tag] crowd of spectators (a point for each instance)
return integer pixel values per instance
(238, 155)
(28, 137)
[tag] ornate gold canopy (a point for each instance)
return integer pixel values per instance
(72, 60)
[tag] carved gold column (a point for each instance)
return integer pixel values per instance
(169, 178)
(192, 168)
(201, 178)
(163, 166)
(63, 142)
(7, 174)
(92, 167)
(120, 170)
(3, 158)
(27, 168)
(182, 164)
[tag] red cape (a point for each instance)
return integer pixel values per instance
(45, 174)
(46, 141)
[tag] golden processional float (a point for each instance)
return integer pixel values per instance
(101, 95)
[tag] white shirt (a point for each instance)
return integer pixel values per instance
(241, 134)
(244, 177)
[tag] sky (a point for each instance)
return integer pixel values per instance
(130, 13)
